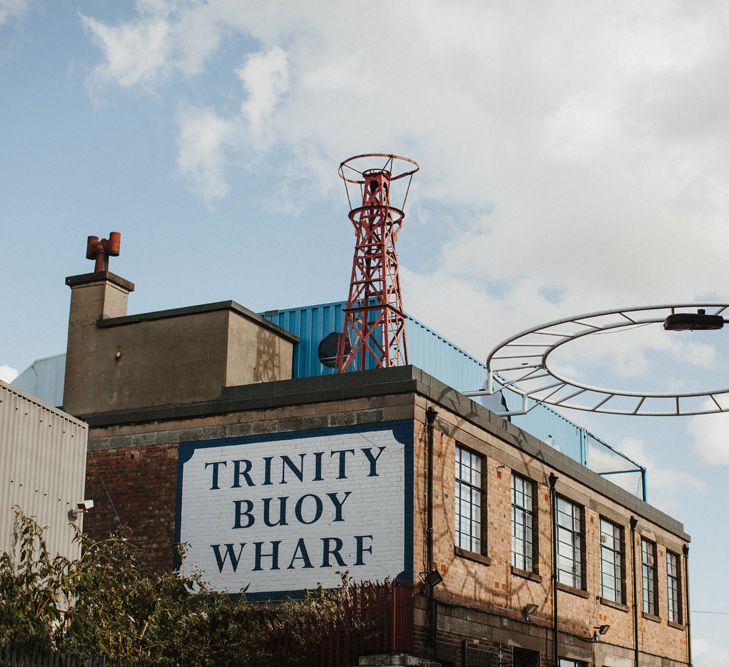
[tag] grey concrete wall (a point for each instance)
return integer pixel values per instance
(167, 358)
(256, 354)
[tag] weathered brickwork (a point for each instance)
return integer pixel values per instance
(132, 469)
(481, 600)
(486, 583)
(135, 487)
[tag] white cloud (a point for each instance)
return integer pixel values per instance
(710, 437)
(135, 54)
(706, 654)
(7, 373)
(13, 10)
(265, 79)
(666, 484)
(203, 143)
(584, 159)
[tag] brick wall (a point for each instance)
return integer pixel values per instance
(135, 487)
(486, 583)
(134, 467)
(480, 597)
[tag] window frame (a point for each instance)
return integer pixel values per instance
(532, 533)
(674, 593)
(649, 575)
(574, 545)
(481, 490)
(619, 580)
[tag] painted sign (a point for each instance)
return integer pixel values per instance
(274, 514)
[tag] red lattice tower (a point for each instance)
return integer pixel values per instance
(374, 325)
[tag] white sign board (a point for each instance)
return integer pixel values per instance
(281, 513)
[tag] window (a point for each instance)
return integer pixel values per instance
(523, 551)
(565, 662)
(469, 497)
(611, 561)
(649, 566)
(673, 573)
(569, 543)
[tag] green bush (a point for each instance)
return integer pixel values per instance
(107, 604)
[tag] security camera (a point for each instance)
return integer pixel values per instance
(85, 505)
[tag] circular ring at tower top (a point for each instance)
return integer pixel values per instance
(521, 364)
(396, 214)
(352, 170)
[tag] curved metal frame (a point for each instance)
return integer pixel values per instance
(388, 166)
(560, 391)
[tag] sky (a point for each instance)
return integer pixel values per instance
(574, 158)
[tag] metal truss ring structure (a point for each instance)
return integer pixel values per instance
(374, 317)
(397, 166)
(521, 364)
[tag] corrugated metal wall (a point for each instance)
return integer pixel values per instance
(433, 354)
(42, 467)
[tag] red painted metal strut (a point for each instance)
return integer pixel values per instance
(374, 328)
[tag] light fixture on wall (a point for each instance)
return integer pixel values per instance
(432, 578)
(600, 630)
(81, 507)
(528, 610)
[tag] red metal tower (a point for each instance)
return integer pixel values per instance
(374, 325)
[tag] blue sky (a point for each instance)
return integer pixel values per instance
(573, 159)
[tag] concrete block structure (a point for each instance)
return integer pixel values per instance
(517, 554)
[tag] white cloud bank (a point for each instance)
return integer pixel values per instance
(710, 437)
(582, 151)
(265, 79)
(666, 484)
(135, 54)
(13, 10)
(705, 654)
(203, 151)
(7, 373)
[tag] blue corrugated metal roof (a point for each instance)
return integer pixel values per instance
(436, 356)
(426, 349)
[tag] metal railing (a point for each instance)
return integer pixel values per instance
(373, 618)
(10, 657)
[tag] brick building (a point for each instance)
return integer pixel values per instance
(199, 433)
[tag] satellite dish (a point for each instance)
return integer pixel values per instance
(328, 347)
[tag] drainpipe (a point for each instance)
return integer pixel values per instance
(555, 578)
(688, 607)
(430, 415)
(633, 524)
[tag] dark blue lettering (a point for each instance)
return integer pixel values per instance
(216, 465)
(288, 463)
(342, 461)
(317, 511)
(267, 470)
(229, 554)
(361, 549)
(329, 551)
(238, 473)
(281, 511)
(273, 555)
(300, 553)
(373, 460)
(239, 513)
(317, 466)
(338, 504)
